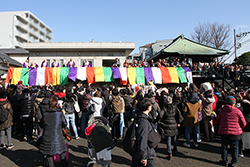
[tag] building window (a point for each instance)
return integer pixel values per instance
(48, 60)
(91, 61)
(160, 45)
(83, 61)
(61, 62)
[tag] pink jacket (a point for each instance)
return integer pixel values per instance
(231, 121)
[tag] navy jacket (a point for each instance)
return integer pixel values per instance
(143, 151)
(53, 139)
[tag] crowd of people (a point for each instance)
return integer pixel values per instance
(38, 112)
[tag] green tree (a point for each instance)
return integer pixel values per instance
(244, 59)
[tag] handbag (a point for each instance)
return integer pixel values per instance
(76, 105)
(66, 133)
(154, 138)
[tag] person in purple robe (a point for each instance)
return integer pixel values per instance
(44, 64)
(86, 63)
(55, 63)
(33, 65)
(26, 64)
(71, 63)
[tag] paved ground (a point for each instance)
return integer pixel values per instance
(207, 154)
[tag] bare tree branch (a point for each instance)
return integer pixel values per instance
(212, 34)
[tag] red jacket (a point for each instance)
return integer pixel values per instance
(231, 121)
(60, 94)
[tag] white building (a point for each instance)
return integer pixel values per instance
(149, 50)
(22, 26)
(98, 53)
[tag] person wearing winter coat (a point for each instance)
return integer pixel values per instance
(207, 103)
(191, 108)
(68, 106)
(99, 105)
(105, 97)
(6, 125)
(84, 101)
(17, 123)
(26, 114)
(156, 108)
(128, 107)
(170, 117)
(246, 130)
(118, 113)
(43, 106)
(53, 140)
(144, 154)
(231, 123)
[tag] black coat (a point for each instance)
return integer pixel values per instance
(68, 104)
(14, 100)
(144, 151)
(128, 105)
(246, 112)
(25, 104)
(43, 106)
(170, 118)
(53, 139)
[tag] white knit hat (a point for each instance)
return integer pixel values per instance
(207, 86)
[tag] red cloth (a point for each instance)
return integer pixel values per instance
(123, 82)
(48, 76)
(60, 94)
(166, 78)
(9, 74)
(214, 104)
(231, 121)
(216, 122)
(89, 129)
(90, 71)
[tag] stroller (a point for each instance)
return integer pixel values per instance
(100, 141)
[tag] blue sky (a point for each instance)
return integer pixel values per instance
(139, 21)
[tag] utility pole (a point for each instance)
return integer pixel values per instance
(235, 55)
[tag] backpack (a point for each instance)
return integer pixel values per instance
(129, 143)
(91, 109)
(116, 104)
(3, 114)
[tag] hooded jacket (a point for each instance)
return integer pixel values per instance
(207, 104)
(6, 104)
(143, 151)
(231, 121)
(246, 112)
(99, 106)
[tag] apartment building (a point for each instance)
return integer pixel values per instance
(22, 26)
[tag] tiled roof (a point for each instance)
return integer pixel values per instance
(9, 60)
(3, 68)
(14, 51)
